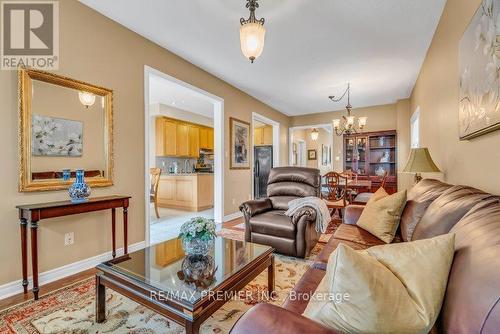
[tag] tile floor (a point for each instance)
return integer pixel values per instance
(170, 221)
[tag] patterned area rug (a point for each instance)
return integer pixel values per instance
(71, 309)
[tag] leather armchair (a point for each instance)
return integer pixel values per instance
(265, 222)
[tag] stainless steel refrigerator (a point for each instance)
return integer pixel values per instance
(263, 162)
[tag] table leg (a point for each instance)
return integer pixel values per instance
(100, 300)
(270, 277)
(125, 230)
(34, 256)
(192, 327)
(24, 252)
(113, 230)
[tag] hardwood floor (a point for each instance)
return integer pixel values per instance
(47, 288)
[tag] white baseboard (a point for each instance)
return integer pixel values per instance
(233, 216)
(12, 288)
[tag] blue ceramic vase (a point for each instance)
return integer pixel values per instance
(79, 191)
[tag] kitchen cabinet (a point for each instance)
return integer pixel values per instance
(193, 192)
(176, 138)
(263, 135)
(206, 138)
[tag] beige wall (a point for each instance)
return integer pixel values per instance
(324, 138)
(475, 162)
(115, 59)
(385, 117)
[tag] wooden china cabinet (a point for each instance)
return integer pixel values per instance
(370, 154)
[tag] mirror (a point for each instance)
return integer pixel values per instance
(64, 125)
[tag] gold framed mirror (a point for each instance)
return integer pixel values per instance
(64, 125)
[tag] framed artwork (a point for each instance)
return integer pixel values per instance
(479, 63)
(239, 134)
(56, 137)
(311, 155)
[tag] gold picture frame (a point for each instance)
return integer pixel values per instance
(239, 144)
(25, 85)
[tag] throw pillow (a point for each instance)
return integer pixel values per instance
(382, 214)
(396, 288)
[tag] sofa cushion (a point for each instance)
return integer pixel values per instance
(412, 214)
(427, 189)
(356, 234)
(382, 214)
(376, 284)
(447, 210)
(332, 244)
(472, 301)
(298, 299)
(273, 223)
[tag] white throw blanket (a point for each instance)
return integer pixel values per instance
(322, 212)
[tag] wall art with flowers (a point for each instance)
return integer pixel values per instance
(56, 137)
(479, 61)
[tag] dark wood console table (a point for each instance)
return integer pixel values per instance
(36, 212)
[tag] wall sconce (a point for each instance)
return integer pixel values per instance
(86, 98)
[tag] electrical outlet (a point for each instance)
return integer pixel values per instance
(69, 238)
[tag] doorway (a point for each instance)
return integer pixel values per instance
(314, 153)
(184, 131)
(265, 143)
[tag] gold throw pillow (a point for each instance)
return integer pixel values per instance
(396, 288)
(382, 214)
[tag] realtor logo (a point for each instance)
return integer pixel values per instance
(30, 34)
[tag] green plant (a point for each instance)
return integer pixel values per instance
(198, 228)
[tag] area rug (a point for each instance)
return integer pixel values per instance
(71, 309)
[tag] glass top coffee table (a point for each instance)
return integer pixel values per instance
(184, 288)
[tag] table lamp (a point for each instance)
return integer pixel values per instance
(420, 161)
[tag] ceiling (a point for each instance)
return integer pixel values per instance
(312, 49)
(169, 93)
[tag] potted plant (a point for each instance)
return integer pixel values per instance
(198, 235)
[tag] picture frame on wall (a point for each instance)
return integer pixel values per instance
(479, 65)
(312, 155)
(239, 136)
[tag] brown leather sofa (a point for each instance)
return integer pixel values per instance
(472, 299)
(265, 220)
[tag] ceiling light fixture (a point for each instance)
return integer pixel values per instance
(252, 33)
(86, 98)
(314, 134)
(348, 127)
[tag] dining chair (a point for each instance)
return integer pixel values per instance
(363, 198)
(351, 193)
(334, 192)
(153, 190)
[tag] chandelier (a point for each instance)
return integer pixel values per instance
(347, 125)
(252, 33)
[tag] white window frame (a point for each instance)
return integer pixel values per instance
(415, 129)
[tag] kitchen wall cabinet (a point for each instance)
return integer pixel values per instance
(176, 138)
(263, 135)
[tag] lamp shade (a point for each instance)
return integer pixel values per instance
(420, 161)
(252, 37)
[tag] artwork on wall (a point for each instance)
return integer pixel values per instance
(479, 59)
(56, 137)
(239, 144)
(311, 155)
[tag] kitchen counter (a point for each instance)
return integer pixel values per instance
(186, 191)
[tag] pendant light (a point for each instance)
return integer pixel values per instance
(252, 33)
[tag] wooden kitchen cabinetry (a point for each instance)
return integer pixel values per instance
(176, 138)
(193, 192)
(263, 135)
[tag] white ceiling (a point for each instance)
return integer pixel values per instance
(313, 48)
(166, 92)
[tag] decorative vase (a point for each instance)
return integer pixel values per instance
(79, 190)
(197, 246)
(66, 174)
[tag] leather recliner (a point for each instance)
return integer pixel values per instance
(265, 221)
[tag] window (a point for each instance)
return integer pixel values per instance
(415, 129)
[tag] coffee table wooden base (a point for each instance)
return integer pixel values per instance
(189, 316)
